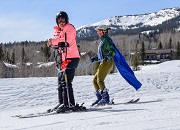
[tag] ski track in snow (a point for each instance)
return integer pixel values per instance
(158, 108)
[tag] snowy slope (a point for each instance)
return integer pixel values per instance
(159, 107)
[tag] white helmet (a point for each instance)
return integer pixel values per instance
(103, 27)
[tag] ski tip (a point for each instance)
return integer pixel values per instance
(133, 100)
(137, 99)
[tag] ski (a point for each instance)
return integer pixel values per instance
(128, 102)
(35, 115)
(91, 108)
(113, 103)
(47, 113)
(133, 101)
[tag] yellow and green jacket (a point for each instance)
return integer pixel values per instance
(106, 48)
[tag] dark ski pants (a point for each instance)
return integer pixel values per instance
(62, 88)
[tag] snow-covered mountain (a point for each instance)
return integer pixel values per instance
(130, 21)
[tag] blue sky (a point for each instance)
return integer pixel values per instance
(34, 19)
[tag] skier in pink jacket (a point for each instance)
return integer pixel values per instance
(66, 32)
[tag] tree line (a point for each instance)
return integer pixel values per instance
(27, 55)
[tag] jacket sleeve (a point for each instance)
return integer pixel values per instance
(70, 35)
(56, 38)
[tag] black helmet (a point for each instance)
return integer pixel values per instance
(62, 14)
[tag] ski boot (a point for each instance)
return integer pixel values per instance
(54, 109)
(99, 97)
(62, 109)
(105, 97)
(78, 107)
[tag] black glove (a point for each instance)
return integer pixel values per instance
(94, 58)
(106, 58)
(63, 44)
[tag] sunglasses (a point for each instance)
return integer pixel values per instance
(61, 21)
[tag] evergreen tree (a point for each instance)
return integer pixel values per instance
(178, 50)
(136, 60)
(23, 61)
(7, 58)
(170, 43)
(160, 46)
(47, 52)
(23, 56)
(13, 57)
(143, 53)
(1, 53)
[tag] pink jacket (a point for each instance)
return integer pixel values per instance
(59, 36)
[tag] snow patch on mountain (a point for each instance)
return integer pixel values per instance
(151, 19)
(131, 21)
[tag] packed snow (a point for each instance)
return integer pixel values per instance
(158, 108)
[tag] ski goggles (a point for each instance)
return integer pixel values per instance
(61, 21)
(99, 31)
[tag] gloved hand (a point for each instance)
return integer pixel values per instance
(106, 58)
(94, 58)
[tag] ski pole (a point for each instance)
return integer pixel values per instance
(60, 70)
(88, 63)
(67, 88)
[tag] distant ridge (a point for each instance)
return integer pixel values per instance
(121, 24)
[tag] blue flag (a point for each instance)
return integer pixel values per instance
(124, 69)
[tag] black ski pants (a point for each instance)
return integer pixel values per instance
(62, 88)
